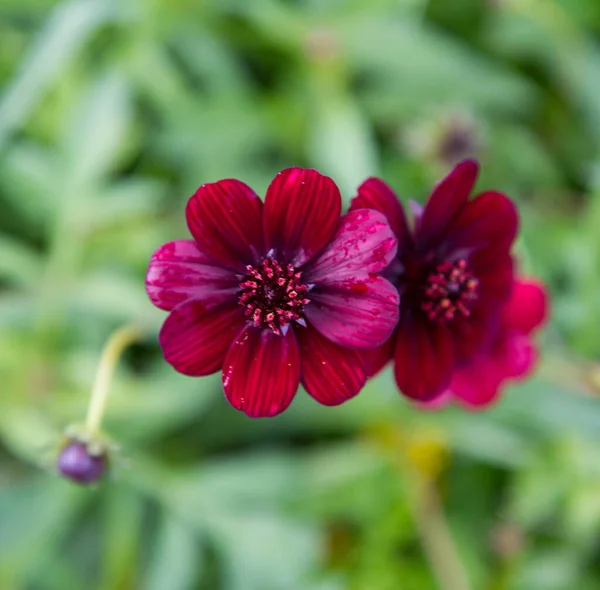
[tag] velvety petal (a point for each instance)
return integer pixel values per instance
(361, 314)
(490, 219)
(377, 358)
(495, 275)
(179, 270)
(475, 334)
(527, 308)
(520, 355)
(445, 204)
(363, 243)
(376, 194)
(261, 372)
(438, 402)
(194, 339)
(330, 374)
(225, 218)
(423, 358)
(302, 211)
(478, 385)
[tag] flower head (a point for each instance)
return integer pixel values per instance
(454, 273)
(512, 355)
(275, 294)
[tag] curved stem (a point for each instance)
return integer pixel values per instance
(436, 538)
(113, 350)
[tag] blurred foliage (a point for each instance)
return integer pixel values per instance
(112, 112)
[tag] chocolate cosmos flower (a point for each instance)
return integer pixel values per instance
(454, 273)
(276, 294)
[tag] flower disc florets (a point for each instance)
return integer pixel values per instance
(450, 290)
(273, 295)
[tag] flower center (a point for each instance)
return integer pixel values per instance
(273, 295)
(450, 289)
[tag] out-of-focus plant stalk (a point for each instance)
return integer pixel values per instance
(435, 535)
(111, 354)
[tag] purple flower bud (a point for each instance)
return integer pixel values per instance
(76, 463)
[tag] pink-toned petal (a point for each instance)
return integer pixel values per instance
(423, 358)
(330, 374)
(179, 270)
(302, 211)
(437, 403)
(489, 220)
(261, 372)
(355, 314)
(527, 307)
(520, 355)
(376, 194)
(478, 385)
(225, 218)
(445, 204)
(363, 243)
(377, 358)
(194, 339)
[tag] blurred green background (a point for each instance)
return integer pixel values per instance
(111, 114)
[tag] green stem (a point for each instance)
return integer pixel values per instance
(111, 354)
(435, 535)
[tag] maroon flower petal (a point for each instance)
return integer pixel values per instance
(194, 339)
(474, 334)
(527, 307)
(477, 386)
(363, 243)
(423, 358)
(330, 374)
(494, 271)
(179, 270)
(361, 314)
(377, 358)
(376, 194)
(490, 219)
(261, 372)
(445, 204)
(225, 218)
(302, 210)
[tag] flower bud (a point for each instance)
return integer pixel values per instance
(81, 462)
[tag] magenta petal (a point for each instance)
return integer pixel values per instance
(376, 194)
(179, 270)
(445, 204)
(423, 358)
(330, 374)
(361, 314)
(363, 243)
(194, 340)
(490, 219)
(478, 385)
(225, 218)
(261, 372)
(302, 210)
(528, 306)
(520, 355)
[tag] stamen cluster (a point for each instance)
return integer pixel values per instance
(273, 295)
(450, 289)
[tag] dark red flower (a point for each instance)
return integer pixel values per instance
(275, 294)
(454, 273)
(512, 355)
